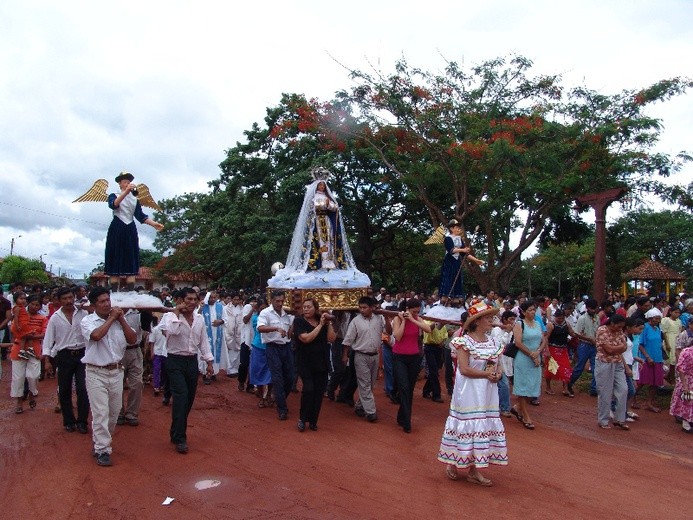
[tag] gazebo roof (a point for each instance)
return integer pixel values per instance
(651, 270)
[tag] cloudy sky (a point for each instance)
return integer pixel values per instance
(162, 89)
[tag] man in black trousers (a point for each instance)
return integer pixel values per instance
(186, 337)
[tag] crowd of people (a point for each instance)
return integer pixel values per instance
(501, 347)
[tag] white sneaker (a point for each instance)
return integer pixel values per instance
(630, 419)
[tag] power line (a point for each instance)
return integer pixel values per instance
(51, 214)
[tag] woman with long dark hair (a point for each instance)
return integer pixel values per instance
(527, 367)
(313, 332)
(406, 328)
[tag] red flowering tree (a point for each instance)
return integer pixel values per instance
(501, 150)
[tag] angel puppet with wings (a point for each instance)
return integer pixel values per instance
(122, 242)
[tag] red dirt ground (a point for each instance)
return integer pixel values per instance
(566, 468)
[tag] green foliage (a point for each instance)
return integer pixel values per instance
(565, 269)
(149, 257)
(503, 150)
(23, 270)
(235, 233)
(664, 236)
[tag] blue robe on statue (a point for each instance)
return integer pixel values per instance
(451, 276)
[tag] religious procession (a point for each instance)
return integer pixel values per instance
(320, 330)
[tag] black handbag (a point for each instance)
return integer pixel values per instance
(511, 349)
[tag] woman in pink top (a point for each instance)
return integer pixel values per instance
(406, 328)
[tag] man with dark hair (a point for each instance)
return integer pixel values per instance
(64, 343)
(5, 318)
(106, 334)
(133, 370)
(186, 338)
(642, 305)
(586, 332)
(364, 337)
(274, 325)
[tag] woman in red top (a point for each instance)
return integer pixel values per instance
(406, 328)
(28, 328)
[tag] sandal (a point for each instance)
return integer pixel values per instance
(516, 414)
(32, 402)
(632, 415)
(528, 425)
(549, 392)
(262, 404)
(605, 426)
(19, 409)
(451, 472)
(622, 426)
(478, 479)
(654, 409)
(568, 393)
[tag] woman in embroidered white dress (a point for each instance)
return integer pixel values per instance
(474, 436)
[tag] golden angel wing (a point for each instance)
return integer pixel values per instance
(437, 237)
(97, 193)
(145, 197)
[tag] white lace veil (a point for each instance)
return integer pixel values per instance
(299, 252)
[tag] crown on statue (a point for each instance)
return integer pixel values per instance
(320, 174)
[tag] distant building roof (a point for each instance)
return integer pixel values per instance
(652, 270)
(147, 273)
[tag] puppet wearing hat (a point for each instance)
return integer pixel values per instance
(122, 241)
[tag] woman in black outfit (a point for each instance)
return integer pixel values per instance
(313, 333)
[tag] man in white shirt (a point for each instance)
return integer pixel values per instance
(274, 325)
(106, 334)
(246, 341)
(186, 337)
(64, 342)
(233, 325)
(133, 367)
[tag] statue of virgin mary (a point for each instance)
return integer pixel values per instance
(319, 256)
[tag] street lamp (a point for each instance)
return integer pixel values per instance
(12, 243)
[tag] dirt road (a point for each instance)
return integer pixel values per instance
(566, 468)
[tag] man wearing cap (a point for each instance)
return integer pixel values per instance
(122, 241)
(652, 371)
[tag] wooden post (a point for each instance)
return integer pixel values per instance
(599, 202)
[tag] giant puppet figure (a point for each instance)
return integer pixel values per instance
(122, 241)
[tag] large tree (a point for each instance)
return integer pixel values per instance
(665, 236)
(234, 233)
(500, 149)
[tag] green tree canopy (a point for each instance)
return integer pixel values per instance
(496, 147)
(665, 236)
(499, 148)
(23, 270)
